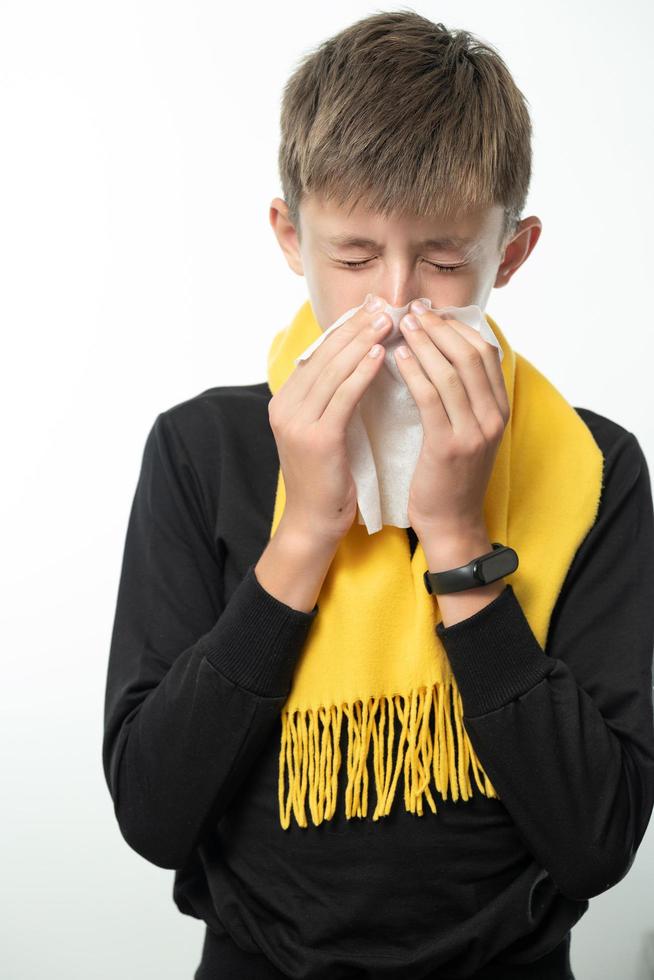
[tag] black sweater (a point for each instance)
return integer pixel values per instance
(200, 665)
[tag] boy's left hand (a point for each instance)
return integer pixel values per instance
(456, 379)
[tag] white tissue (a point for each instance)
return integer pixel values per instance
(384, 436)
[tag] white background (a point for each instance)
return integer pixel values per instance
(139, 158)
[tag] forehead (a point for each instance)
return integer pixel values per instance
(349, 240)
(335, 226)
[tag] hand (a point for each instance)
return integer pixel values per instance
(309, 416)
(455, 377)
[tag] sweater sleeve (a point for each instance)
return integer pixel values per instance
(194, 685)
(566, 735)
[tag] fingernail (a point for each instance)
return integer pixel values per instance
(410, 322)
(403, 351)
(372, 303)
(380, 321)
(418, 307)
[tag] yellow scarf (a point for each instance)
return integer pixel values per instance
(373, 651)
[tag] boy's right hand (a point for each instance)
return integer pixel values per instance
(309, 416)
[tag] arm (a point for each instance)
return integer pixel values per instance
(194, 685)
(566, 736)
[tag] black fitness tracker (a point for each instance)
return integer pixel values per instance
(497, 563)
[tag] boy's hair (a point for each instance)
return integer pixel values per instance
(409, 117)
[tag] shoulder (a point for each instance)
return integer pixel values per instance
(624, 459)
(612, 438)
(218, 446)
(205, 446)
(209, 419)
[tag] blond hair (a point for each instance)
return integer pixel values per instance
(408, 117)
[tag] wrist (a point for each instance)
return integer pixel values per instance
(301, 538)
(451, 550)
(446, 552)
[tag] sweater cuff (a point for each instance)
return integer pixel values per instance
(257, 640)
(494, 654)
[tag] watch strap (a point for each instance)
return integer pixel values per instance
(494, 565)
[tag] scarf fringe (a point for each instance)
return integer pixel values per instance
(307, 752)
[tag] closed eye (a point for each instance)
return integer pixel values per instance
(435, 265)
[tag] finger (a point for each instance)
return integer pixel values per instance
(303, 378)
(344, 400)
(443, 375)
(427, 397)
(336, 370)
(492, 361)
(464, 368)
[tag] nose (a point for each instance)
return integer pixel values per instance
(400, 291)
(403, 299)
(397, 296)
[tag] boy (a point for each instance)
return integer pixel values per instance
(405, 163)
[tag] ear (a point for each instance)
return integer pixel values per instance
(518, 249)
(286, 234)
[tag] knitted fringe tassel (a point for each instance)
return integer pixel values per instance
(308, 753)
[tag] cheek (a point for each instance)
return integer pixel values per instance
(456, 289)
(333, 291)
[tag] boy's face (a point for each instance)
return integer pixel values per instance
(398, 254)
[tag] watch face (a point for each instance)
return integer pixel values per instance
(495, 566)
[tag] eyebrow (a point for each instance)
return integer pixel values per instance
(450, 243)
